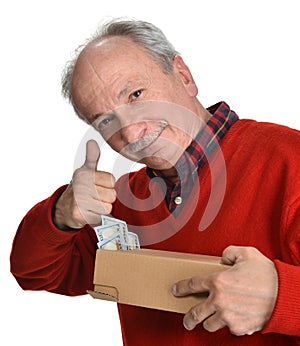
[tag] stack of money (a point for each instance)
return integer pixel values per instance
(113, 234)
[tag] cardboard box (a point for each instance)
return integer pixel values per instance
(145, 277)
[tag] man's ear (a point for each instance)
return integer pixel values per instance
(185, 75)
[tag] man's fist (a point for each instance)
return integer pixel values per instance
(90, 194)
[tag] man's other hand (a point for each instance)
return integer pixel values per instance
(242, 297)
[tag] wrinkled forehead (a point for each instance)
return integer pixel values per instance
(100, 56)
(102, 65)
(108, 54)
(103, 68)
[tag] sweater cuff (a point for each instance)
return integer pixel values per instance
(52, 234)
(285, 317)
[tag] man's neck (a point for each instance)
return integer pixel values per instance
(170, 174)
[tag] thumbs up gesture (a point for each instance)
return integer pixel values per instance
(90, 194)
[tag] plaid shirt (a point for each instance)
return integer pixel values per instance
(195, 156)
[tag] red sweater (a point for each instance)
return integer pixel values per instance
(261, 208)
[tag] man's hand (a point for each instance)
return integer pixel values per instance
(242, 297)
(89, 195)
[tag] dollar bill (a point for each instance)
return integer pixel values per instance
(113, 243)
(122, 225)
(133, 241)
(113, 234)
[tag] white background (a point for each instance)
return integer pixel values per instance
(243, 52)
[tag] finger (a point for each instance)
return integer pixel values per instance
(214, 323)
(197, 314)
(92, 155)
(91, 211)
(99, 209)
(108, 195)
(104, 179)
(92, 219)
(193, 285)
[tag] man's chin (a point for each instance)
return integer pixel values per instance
(157, 163)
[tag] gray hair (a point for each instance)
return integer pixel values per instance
(147, 35)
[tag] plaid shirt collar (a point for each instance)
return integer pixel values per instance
(195, 156)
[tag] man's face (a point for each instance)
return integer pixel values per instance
(142, 112)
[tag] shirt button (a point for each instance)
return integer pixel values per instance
(178, 200)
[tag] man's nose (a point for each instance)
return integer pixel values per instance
(131, 132)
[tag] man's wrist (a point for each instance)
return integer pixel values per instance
(57, 216)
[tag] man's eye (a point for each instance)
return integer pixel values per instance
(136, 94)
(105, 122)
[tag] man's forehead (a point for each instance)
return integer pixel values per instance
(110, 46)
(90, 62)
(108, 69)
(104, 58)
(109, 55)
(96, 79)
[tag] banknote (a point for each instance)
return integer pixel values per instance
(113, 234)
(122, 225)
(133, 241)
(113, 243)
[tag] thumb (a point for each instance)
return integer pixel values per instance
(237, 254)
(92, 155)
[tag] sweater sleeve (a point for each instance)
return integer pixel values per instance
(44, 257)
(285, 318)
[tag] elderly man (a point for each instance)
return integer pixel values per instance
(230, 188)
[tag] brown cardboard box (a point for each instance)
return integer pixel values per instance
(145, 277)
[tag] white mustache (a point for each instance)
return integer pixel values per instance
(143, 142)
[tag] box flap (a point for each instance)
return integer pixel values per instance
(104, 293)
